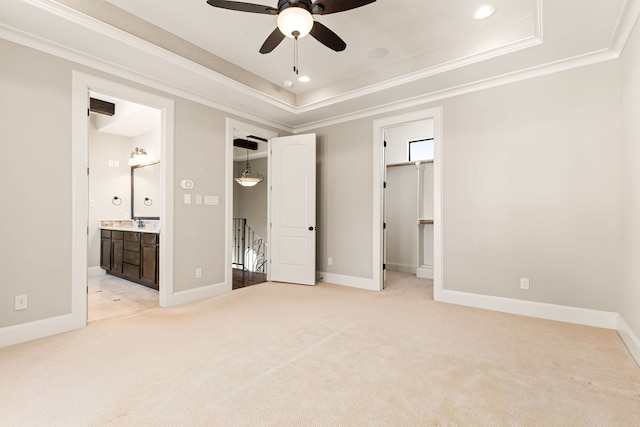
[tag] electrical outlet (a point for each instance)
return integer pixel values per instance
(21, 302)
(329, 261)
(198, 273)
(524, 283)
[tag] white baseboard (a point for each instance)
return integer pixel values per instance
(96, 271)
(629, 338)
(425, 272)
(351, 281)
(30, 331)
(191, 295)
(401, 267)
(581, 316)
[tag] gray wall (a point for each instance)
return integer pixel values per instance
(345, 198)
(36, 185)
(105, 182)
(401, 217)
(531, 189)
(630, 288)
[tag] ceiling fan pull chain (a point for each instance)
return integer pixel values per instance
(295, 55)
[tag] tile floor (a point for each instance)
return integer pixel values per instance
(109, 296)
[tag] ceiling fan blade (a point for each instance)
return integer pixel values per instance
(333, 6)
(243, 7)
(327, 37)
(272, 41)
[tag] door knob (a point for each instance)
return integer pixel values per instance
(311, 228)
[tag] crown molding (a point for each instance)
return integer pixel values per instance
(287, 121)
(525, 43)
(421, 74)
(38, 43)
(504, 79)
(625, 25)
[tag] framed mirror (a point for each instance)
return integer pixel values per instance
(145, 191)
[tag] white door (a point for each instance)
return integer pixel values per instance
(292, 206)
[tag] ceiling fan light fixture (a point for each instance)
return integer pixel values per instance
(295, 22)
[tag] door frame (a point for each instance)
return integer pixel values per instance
(82, 84)
(379, 127)
(233, 126)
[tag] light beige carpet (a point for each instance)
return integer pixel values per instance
(286, 355)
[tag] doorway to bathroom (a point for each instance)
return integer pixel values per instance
(124, 207)
(83, 86)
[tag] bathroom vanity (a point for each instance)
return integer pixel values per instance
(130, 252)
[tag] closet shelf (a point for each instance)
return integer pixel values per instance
(422, 162)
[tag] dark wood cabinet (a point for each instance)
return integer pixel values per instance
(149, 260)
(105, 249)
(116, 251)
(131, 255)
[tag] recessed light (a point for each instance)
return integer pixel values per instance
(304, 79)
(287, 83)
(484, 11)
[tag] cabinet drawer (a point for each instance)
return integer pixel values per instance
(131, 246)
(149, 238)
(105, 233)
(131, 236)
(117, 235)
(132, 271)
(131, 257)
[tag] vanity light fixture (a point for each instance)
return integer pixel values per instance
(138, 157)
(248, 178)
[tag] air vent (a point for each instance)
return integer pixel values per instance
(243, 143)
(102, 107)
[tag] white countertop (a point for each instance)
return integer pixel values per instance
(150, 226)
(131, 228)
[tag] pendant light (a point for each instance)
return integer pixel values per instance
(248, 178)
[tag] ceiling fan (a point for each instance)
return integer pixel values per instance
(295, 19)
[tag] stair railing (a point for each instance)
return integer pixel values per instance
(249, 249)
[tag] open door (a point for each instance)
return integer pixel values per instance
(292, 207)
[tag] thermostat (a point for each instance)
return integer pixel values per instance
(187, 184)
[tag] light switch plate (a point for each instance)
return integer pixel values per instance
(211, 200)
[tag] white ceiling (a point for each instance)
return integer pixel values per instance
(435, 49)
(410, 30)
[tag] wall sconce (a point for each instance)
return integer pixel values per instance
(138, 157)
